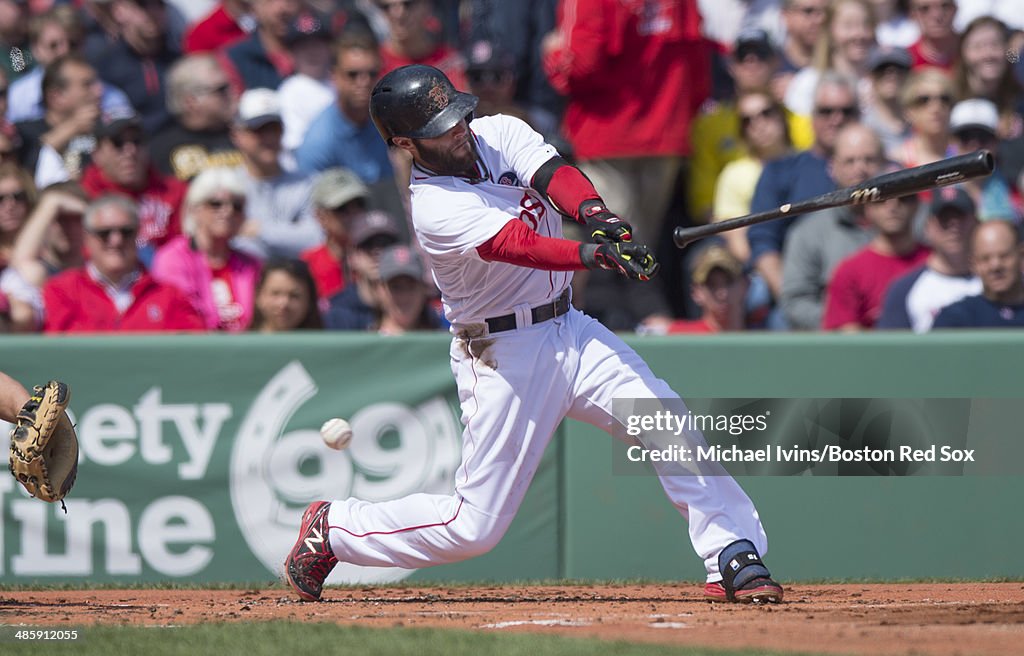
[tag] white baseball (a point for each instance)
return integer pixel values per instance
(337, 433)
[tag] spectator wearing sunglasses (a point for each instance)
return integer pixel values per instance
(17, 196)
(764, 136)
(717, 133)
(218, 280)
(121, 164)
(343, 135)
(202, 104)
(50, 241)
(927, 99)
(112, 291)
(804, 174)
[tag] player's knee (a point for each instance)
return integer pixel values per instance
(477, 537)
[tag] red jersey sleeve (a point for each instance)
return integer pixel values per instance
(517, 244)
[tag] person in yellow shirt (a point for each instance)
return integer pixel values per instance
(764, 135)
(715, 136)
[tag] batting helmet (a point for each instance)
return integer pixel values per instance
(418, 101)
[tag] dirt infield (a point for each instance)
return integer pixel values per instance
(920, 619)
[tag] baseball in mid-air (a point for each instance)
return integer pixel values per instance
(337, 433)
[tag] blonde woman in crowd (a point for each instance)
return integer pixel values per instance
(50, 241)
(219, 280)
(927, 101)
(17, 197)
(765, 136)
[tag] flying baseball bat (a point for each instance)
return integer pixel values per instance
(883, 187)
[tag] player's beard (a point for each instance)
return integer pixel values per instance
(457, 161)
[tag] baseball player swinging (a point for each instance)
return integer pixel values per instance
(488, 197)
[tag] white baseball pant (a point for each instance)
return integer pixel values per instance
(514, 389)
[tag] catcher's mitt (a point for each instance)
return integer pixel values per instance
(44, 446)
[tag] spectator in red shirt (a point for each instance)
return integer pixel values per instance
(120, 164)
(414, 39)
(719, 288)
(939, 44)
(856, 292)
(228, 22)
(338, 197)
(112, 292)
(634, 81)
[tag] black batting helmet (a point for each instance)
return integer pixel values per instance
(418, 101)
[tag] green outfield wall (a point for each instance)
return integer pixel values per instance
(200, 452)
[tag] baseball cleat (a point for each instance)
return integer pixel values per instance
(311, 559)
(758, 591)
(745, 579)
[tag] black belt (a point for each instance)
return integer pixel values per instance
(555, 308)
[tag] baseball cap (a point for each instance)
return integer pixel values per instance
(257, 107)
(753, 41)
(116, 121)
(308, 25)
(952, 197)
(883, 56)
(373, 224)
(338, 186)
(398, 261)
(711, 258)
(484, 55)
(974, 113)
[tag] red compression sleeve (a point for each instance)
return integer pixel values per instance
(568, 188)
(517, 244)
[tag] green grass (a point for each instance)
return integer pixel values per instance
(277, 638)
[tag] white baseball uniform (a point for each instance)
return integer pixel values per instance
(516, 386)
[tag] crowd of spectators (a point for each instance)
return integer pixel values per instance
(204, 165)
